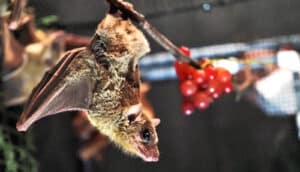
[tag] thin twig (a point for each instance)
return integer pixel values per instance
(127, 10)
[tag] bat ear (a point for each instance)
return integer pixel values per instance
(155, 121)
(134, 109)
(134, 112)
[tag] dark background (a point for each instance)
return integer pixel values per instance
(230, 136)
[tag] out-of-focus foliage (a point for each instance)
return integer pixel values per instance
(15, 148)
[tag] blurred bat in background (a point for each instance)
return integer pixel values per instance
(102, 80)
(16, 14)
(29, 54)
(13, 49)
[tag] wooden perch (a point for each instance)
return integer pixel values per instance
(126, 10)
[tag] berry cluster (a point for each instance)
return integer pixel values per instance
(200, 86)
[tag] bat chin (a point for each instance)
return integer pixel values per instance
(148, 155)
(150, 159)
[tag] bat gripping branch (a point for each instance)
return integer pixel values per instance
(127, 11)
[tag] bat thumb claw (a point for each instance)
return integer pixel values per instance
(24, 122)
(21, 127)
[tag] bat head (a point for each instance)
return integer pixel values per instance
(137, 134)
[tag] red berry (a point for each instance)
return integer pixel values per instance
(216, 95)
(228, 87)
(183, 70)
(199, 76)
(185, 50)
(213, 86)
(223, 75)
(188, 88)
(210, 72)
(187, 108)
(203, 86)
(179, 71)
(188, 70)
(201, 100)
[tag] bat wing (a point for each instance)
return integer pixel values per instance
(52, 96)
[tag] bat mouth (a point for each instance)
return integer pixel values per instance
(148, 154)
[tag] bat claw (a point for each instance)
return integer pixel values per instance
(25, 122)
(20, 127)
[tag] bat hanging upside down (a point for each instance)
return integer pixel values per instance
(102, 80)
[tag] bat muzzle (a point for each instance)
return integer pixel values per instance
(149, 153)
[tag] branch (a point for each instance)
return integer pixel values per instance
(127, 10)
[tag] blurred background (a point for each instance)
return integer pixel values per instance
(249, 132)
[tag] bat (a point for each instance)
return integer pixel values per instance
(103, 81)
(30, 54)
(26, 57)
(38, 58)
(14, 48)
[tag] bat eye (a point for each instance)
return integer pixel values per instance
(146, 135)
